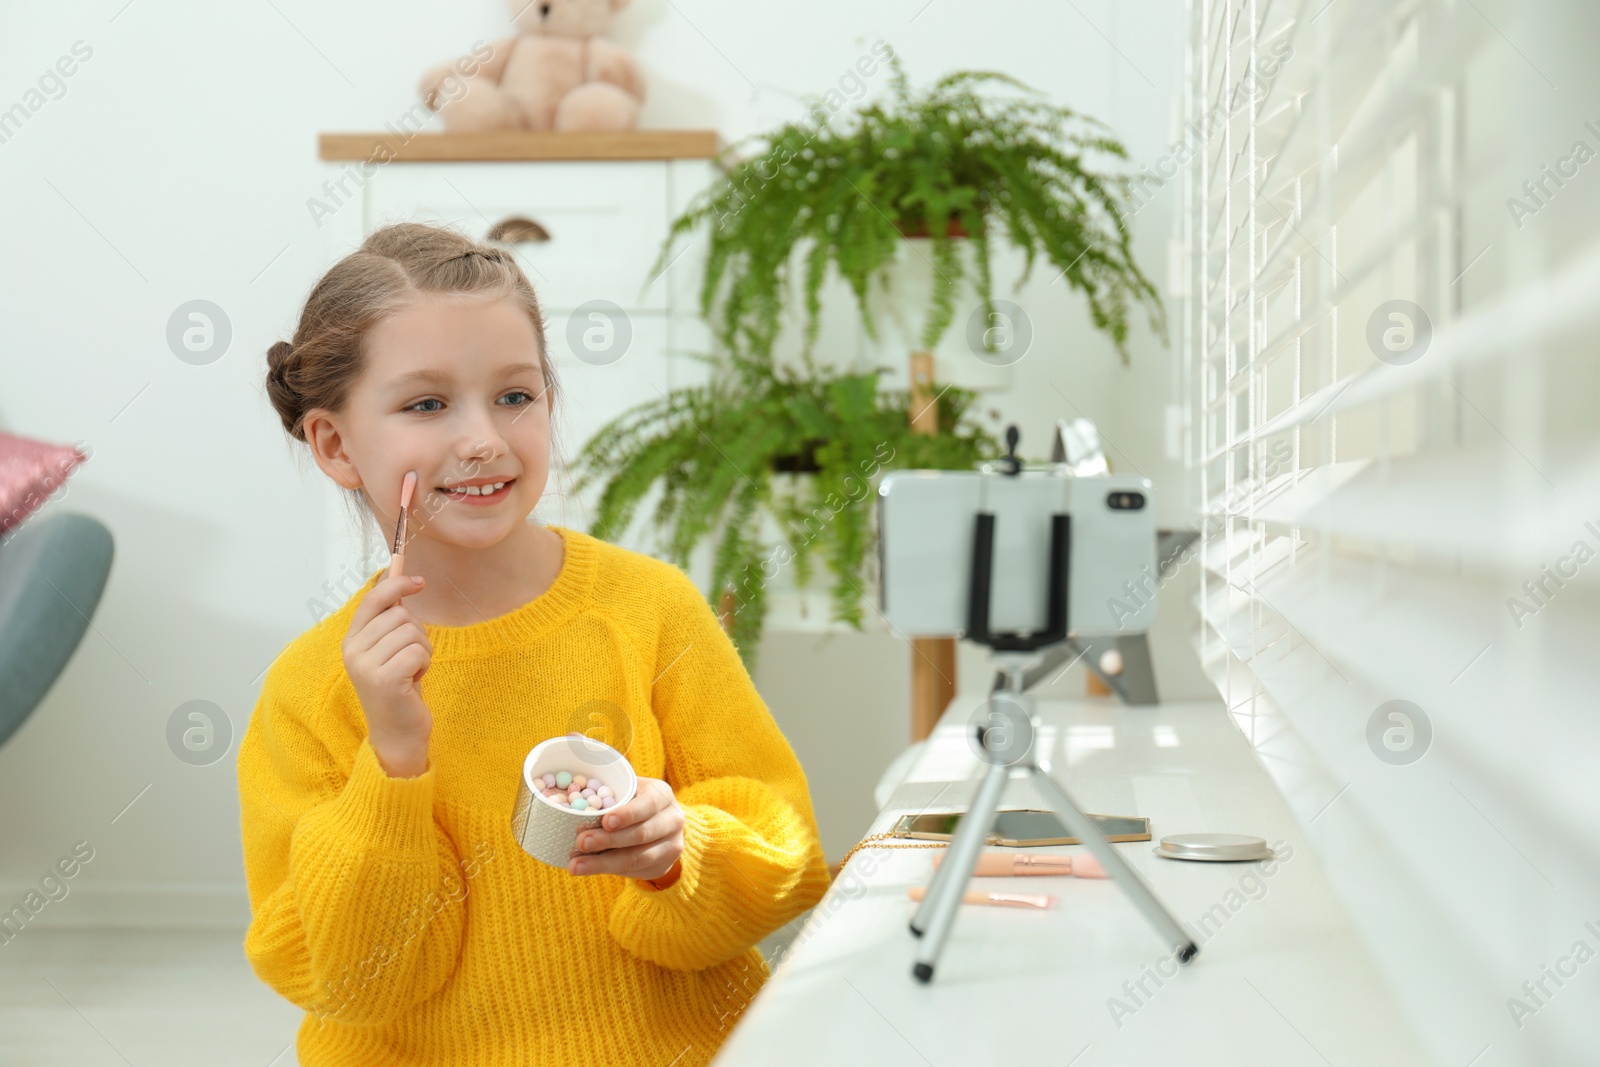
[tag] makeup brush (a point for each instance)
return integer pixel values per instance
(397, 559)
(1004, 900)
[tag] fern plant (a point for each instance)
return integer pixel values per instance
(944, 162)
(730, 451)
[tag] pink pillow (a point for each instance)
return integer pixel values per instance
(29, 472)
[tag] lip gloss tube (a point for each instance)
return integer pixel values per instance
(1029, 863)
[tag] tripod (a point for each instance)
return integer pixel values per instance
(1010, 743)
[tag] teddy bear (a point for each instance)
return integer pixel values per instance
(556, 73)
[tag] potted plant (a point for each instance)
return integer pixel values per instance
(764, 441)
(798, 448)
(944, 166)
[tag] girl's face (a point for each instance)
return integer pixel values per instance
(454, 389)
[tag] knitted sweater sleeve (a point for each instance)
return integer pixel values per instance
(752, 857)
(357, 904)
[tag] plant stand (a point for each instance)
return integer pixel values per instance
(933, 659)
(898, 302)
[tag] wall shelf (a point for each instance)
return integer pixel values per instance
(501, 145)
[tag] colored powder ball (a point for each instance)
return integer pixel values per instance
(576, 792)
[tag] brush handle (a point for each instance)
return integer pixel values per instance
(397, 560)
(1001, 900)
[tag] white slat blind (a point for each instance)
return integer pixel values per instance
(1400, 502)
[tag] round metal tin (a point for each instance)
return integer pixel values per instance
(1213, 848)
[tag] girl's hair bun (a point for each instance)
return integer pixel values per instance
(285, 398)
(278, 358)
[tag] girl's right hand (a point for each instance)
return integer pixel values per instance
(386, 653)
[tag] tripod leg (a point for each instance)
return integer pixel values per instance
(1083, 828)
(941, 874)
(937, 914)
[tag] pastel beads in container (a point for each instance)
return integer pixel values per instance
(567, 784)
(579, 792)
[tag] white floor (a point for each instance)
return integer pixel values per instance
(131, 998)
(135, 997)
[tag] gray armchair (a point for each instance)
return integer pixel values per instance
(52, 571)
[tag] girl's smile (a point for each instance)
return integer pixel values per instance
(482, 495)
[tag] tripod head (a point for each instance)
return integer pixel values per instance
(980, 581)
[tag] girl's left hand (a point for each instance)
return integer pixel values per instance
(640, 839)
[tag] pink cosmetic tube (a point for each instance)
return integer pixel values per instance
(1001, 864)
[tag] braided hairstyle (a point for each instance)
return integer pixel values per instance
(393, 266)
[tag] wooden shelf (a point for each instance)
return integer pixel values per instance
(518, 145)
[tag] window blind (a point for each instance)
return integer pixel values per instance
(1391, 404)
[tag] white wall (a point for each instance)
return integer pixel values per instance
(176, 165)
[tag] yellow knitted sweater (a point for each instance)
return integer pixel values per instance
(402, 915)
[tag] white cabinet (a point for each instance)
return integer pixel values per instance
(606, 221)
(631, 369)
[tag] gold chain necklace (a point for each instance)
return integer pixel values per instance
(865, 841)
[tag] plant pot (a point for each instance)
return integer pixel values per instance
(799, 462)
(898, 302)
(915, 228)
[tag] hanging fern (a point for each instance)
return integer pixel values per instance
(921, 163)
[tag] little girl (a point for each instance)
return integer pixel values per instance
(379, 771)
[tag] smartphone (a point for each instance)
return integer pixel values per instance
(1021, 828)
(926, 521)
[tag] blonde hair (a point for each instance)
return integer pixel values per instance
(393, 267)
